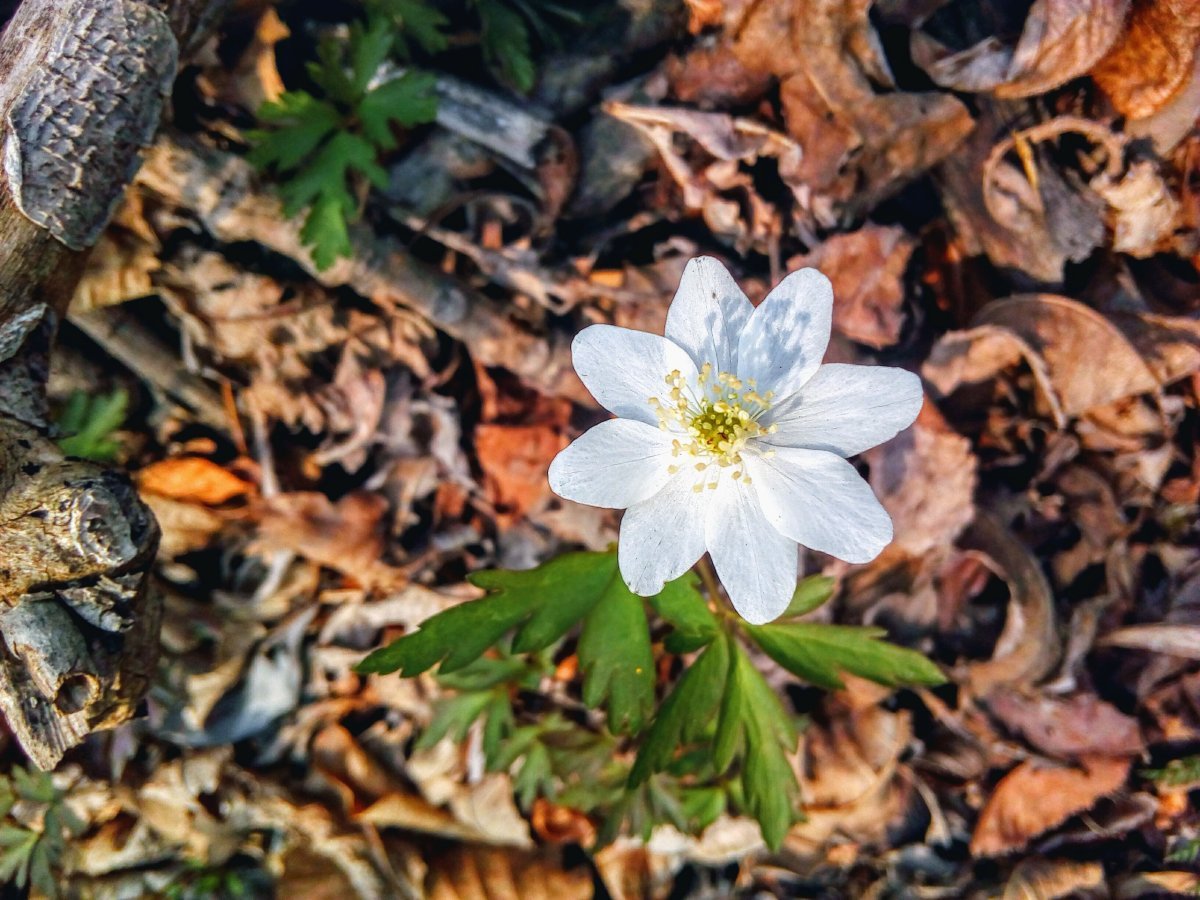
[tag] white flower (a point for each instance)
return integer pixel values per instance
(732, 438)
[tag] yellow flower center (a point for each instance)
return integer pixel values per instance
(717, 418)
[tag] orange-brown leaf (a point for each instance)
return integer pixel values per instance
(192, 479)
(1037, 796)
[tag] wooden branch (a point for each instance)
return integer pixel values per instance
(83, 85)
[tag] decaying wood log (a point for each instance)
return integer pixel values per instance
(83, 85)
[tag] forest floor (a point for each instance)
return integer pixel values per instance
(335, 427)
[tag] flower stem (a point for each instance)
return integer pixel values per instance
(709, 577)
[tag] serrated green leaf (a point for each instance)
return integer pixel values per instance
(325, 231)
(562, 592)
(408, 100)
(452, 716)
(615, 656)
(306, 122)
(40, 876)
(819, 653)
(420, 21)
(769, 788)
(545, 599)
(14, 861)
(497, 725)
(454, 638)
(727, 741)
(702, 806)
(683, 606)
(684, 713)
(89, 421)
(535, 776)
(35, 786)
(812, 592)
(369, 46)
(324, 176)
(506, 44)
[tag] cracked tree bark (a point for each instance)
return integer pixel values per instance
(83, 84)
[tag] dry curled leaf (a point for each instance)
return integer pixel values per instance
(1061, 40)
(1154, 57)
(1029, 646)
(1011, 818)
(1088, 360)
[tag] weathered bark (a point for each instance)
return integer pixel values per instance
(83, 84)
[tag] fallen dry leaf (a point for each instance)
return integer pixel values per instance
(1049, 879)
(1029, 646)
(346, 536)
(867, 270)
(1061, 40)
(1174, 640)
(468, 873)
(904, 472)
(1072, 727)
(192, 479)
(1011, 818)
(1154, 57)
(514, 459)
(1088, 361)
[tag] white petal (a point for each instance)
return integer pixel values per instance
(624, 368)
(708, 314)
(661, 538)
(616, 464)
(847, 409)
(756, 564)
(819, 500)
(785, 340)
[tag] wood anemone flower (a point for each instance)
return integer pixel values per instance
(732, 438)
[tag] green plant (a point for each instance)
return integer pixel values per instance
(31, 846)
(89, 421)
(1176, 773)
(719, 739)
(200, 881)
(325, 148)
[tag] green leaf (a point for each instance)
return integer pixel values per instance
(90, 421)
(14, 861)
(497, 725)
(306, 122)
(549, 599)
(325, 231)
(369, 46)
(506, 44)
(324, 176)
(684, 714)
(811, 593)
(769, 789)
(535, 777)
(683, 606)
(820, 653)
(452, 717)
(563, 591)
(408, 100)
(421, 22)
(702, 806)
(35, 786)
(615, 656)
